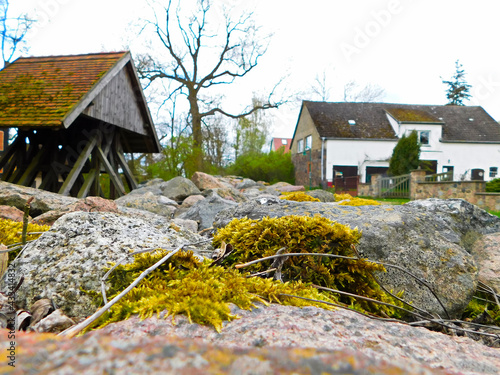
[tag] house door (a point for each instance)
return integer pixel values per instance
(477, 174)
(345, 179)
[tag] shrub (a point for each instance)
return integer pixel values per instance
(273, 167)
(493, 186)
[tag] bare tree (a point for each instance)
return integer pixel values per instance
(369, 93)
(13, 29)
(200, 57)
(321, 87)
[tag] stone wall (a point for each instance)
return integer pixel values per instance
(471, 191)
(301, 163)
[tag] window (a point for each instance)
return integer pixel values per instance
(284, 141)
(308, 142)
(493, 171)
(300, 146)
(423, 137)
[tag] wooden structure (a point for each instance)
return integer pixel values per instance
(75, 117)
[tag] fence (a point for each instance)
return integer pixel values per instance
(439, 177)
(394, 187)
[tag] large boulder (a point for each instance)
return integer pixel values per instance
(205, 181)
(16, 196)
(426, 238)
(486, 252)
(178, 188)
(11, 213)
(148, 201)
(204, 211)
(72, 255)
(88, 204)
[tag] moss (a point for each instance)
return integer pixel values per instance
(186, 285)
(349, 200)
(11, 231)
(299, 196)
(254, 239)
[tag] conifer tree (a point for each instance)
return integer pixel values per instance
(457, 87)
(405, 156)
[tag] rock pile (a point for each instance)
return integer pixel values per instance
(447, 245)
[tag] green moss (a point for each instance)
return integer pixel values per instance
(349, 200)
(298, 196)
(11, 231)
(254, 239)
(482, 304)
(185, 285)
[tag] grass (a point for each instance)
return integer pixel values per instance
(396, 201)
(496, 213)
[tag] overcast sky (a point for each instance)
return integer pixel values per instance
(404, 46)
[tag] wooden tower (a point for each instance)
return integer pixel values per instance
(75, 117)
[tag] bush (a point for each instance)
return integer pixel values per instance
(273, 167)
(493, 186)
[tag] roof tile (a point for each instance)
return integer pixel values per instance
(40, 91)
(460, 123)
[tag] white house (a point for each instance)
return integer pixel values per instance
(353, 139)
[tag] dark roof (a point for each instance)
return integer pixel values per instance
(40, 91)
(460, 123)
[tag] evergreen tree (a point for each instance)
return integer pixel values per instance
(457, 88)
(405, 156)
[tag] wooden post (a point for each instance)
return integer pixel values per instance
(79, 164)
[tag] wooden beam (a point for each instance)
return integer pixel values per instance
(132, 184)
(4, 158)
(114, 177)
(33, 168)
(79, 164)
(87, 185)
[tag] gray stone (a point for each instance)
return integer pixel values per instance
(228, 194)
(203, 212)
(148, 201)
(44, 201)
(178, 188)
(54, 323)
(425, 240)
(322, 195)
(72, 256)
(192, 199)
(186, 224)
(246, 183)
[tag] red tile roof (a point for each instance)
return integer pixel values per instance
(40, 91)
(277, 143)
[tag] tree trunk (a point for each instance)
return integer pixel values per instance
(197, 134)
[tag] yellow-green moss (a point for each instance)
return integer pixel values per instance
(349, 200)
(185, 285)
(254, 239)
(298, 196)
(11, 231)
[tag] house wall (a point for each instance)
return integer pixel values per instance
(462, 156)
(306, 127)
(360, 153)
